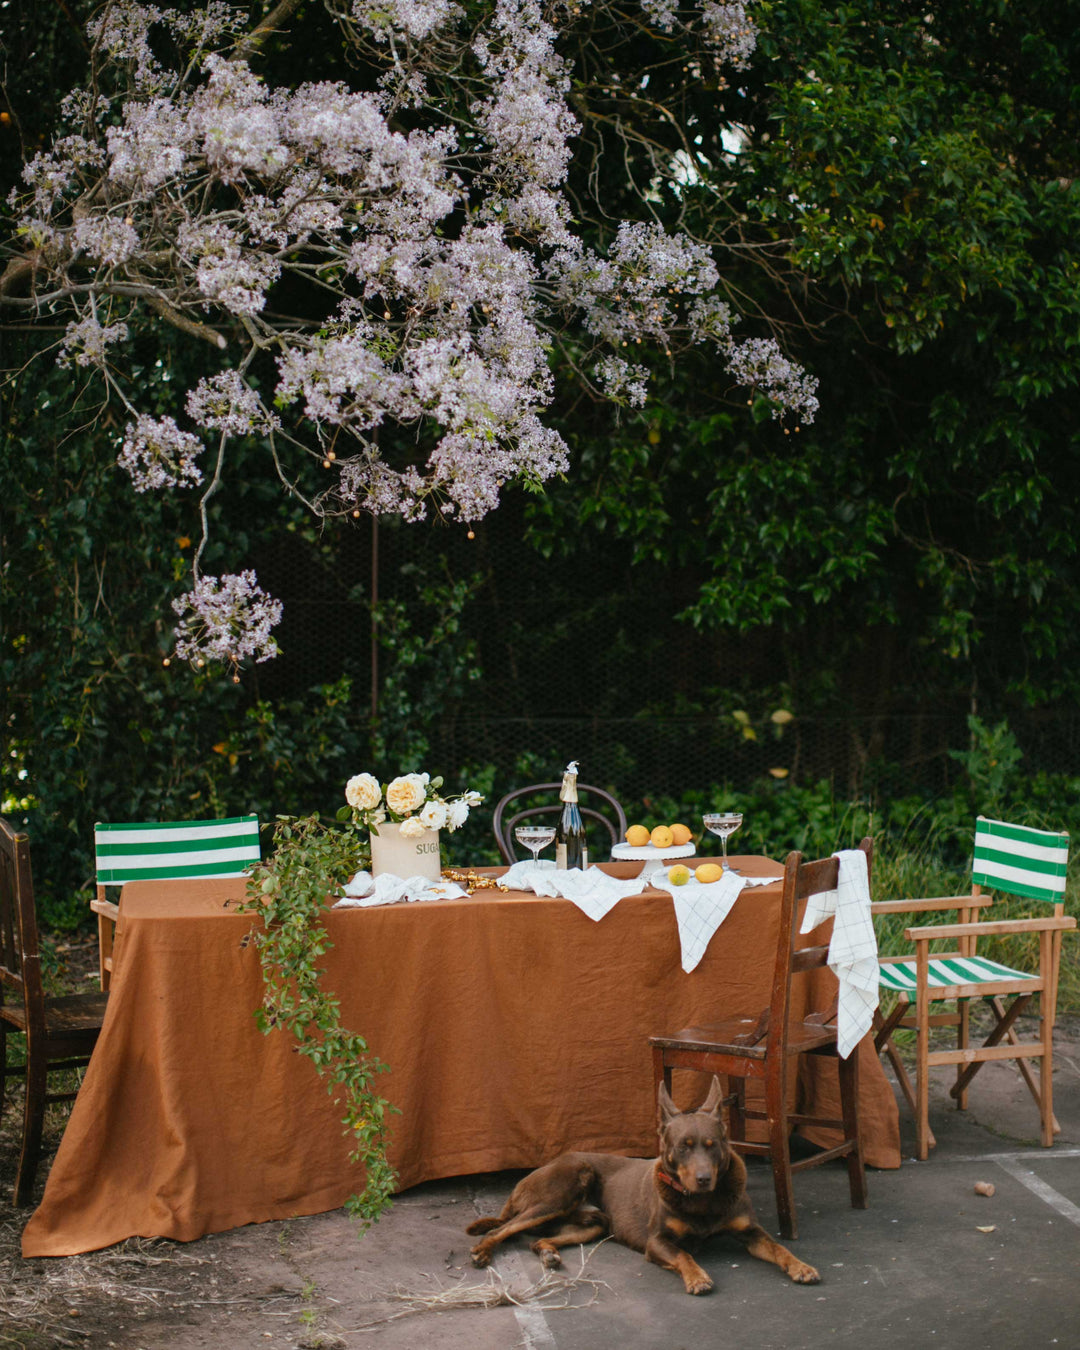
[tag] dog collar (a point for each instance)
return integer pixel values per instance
(670, 1181)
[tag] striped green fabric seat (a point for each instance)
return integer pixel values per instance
(950, 970)
(175, 849)
(1020, 860)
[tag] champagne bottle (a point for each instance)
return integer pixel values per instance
(570, 847)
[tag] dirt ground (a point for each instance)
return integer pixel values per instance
(317, 1284)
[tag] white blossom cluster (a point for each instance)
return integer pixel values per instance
(85, 341)
(226, 618)
(226, 403)
(759, 364)
(439, 252)
(730, 30)
(157, 454)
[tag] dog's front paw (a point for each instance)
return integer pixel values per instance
(480, 1257)
(549, 1256)
(699, 1284)
(801, 1273)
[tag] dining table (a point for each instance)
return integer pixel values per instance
(513, 1028)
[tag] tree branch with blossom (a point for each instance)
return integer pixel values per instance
(421, 227)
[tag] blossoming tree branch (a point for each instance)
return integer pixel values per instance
(385, 273)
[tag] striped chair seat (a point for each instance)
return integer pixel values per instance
(947, 972)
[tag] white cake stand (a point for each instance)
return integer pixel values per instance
(654, 858)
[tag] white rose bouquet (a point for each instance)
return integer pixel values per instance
(413, 800)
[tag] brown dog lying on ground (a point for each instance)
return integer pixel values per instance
(660, 1206)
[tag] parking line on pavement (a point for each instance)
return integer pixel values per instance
(1026, 1177)
(535, 1331)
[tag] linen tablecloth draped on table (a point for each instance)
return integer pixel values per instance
(514, 1028)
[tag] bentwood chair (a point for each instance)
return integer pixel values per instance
(595, 804)
(59, 1032)
(1013, 860)
(768, 1048)
(166, 851)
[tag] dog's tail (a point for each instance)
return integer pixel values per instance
(483, 1225)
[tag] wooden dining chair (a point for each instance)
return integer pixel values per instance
(596, 804)
(59, 1032)
(1011, 860)
(766, 1047)
(165, 851)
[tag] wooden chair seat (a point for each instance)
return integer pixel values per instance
(764, 1048)
(732, 1038)
(67, 1017)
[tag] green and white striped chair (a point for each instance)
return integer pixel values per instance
(1019, 861)
(166, 851)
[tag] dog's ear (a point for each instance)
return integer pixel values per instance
(667, 1108)
(711, 1105)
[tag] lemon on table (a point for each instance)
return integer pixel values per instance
(678, 875)
(637, 836)
(708, 872)
(680, 834)
(661, 837)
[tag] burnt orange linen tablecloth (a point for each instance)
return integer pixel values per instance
(514, 1027)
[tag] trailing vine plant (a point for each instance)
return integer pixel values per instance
(289, 893)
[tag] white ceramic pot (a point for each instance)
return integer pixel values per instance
(405, 857)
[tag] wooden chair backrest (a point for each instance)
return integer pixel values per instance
(20, 959)
(801, 879)
(504, 825)
(173, 849)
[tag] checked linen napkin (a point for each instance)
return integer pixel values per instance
(387, 889)
(594, 892)
(852, 949)
(700, 909)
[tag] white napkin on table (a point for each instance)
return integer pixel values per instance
(852, 949)
(700, 909)
(593, 891)
(387, 889)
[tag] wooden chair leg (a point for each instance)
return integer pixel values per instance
(106, 927)
(883, 1041)
(737, 1110)
(1023, 1066)
(922, 1078)
(780, 1155)
(661, 1073)
(33, 1125)
(848, 1070)
(962, 1030)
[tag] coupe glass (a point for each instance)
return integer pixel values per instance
(535, 837)
(724, 824)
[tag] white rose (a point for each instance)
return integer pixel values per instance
(411, 828)
(406, 794)
(433, 816)
(471, 798)
(457, 814)
(363, 792)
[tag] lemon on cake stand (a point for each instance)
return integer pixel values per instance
(654, 849)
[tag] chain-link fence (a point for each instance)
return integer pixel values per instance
(533, 661)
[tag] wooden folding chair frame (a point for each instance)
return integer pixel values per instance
(916, 1015)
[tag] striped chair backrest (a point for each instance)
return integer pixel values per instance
(1020, 860)
(175, 849)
